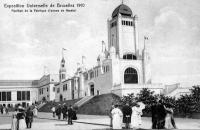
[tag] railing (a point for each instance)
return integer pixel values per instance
(83, 101)
(41, 105)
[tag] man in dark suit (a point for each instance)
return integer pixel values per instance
(64, 111)
(29, 118)
(161, 114)
(127, 112)
(154, 115)
(70, 114)
(59, 111)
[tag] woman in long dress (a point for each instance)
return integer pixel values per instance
(35, 111)
(136, 120)
(14, 121)
(116, 118)
(169, 117)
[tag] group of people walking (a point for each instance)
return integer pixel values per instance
(162, 116)
(68, 113)
(128, 115)
(4, 110)
(22, 118)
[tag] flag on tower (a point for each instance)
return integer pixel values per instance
(64, 49)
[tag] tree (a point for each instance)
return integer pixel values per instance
(184, 104)
(195, 95)
(147, 97)
(130, 98)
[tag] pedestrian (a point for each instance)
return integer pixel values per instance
(59, 111)
(70, 114)
(74, 117)
(169, 119)
(6, 109)
(14, 121)
(127, 111)
(29, 118)
(21, 118)
(35, 111)
(161, 114)
(136, 120)
(116, 118)
(154, 115)
(110, 115)
(1, 109)
(64, 111)
(53, 109)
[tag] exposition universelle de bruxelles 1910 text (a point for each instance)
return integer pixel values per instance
(44, 7)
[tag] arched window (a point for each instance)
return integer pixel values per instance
(129, 57)
(130, 76)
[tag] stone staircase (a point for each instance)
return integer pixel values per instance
(83, 101)
(41, 105)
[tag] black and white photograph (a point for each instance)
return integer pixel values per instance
(99, 64)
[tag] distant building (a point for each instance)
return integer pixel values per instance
(23, 92)
(46, 87)
(27, 92)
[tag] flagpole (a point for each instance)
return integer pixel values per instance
(62, 53)
(144, 43)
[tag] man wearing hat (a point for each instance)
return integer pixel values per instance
(59, 111)
(127, 112)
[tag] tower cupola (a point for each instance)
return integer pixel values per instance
(122, 9)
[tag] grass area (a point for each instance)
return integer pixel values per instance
(98, 105)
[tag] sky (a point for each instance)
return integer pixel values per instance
(30, 41)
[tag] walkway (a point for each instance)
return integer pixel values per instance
(46, 121)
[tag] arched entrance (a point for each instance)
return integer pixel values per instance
(61, 97)
(91, 90)
(130, 76)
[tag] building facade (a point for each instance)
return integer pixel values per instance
(122, 68)
(14, 92)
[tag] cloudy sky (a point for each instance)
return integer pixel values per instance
(30, 41)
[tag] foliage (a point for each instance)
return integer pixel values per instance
(195, 95)
(186, 104)
(130, 99)
(147, 97)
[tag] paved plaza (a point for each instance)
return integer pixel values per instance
(45, 121)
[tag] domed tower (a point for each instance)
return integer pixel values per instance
(122, 32)
(62, 70)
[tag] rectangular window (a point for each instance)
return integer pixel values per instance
(28, 95)
(126, 22)
(86, 76)
(23, 95)
(58, 90)
(8, 96)
(54, 89)
(0, 96)
(19, 96)
(47, 89)
(64, 87)
(3, 96)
